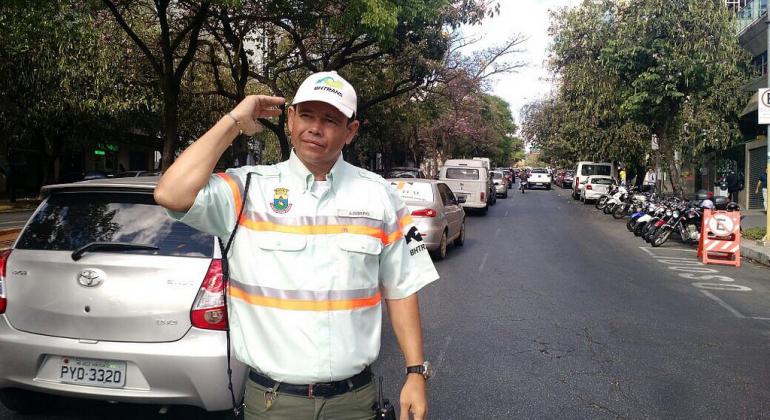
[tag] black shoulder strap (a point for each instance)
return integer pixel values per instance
(226, 285)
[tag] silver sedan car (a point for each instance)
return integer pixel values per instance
(436, 212)
(104, 296)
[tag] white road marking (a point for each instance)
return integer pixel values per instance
(648, 252)
(506, 213)
(483, 261)
(497, 232)
(722, 304)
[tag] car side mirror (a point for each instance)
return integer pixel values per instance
(460, 200)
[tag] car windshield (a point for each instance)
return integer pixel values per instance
(596, 170)
(414, 191)
(496, 175)
(462, 173)
(70, 220)
(539, 171)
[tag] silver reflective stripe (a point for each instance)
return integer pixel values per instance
(313, 221)
(313, 295)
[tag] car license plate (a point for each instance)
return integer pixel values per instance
(94, 372)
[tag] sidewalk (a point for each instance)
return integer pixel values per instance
(752, 249)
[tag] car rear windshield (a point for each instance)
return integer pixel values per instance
(70, 220)
(462, 173)
(539, 171)
(497, 175)
(414, 191)
(603, 181)
(596, 170)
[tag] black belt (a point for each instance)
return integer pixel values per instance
(324, 389)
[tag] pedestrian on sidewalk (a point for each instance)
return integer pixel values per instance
(623, 176)
(734, 185)
(762, 183)
(650, 179)
(320, 243)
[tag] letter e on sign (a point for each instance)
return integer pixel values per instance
(721, 225)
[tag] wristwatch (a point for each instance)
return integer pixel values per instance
(425, 369)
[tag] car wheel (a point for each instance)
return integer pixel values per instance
(440, 253)
(23, 401)
(460, 239)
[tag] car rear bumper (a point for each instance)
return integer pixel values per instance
(431, 233)
(474, 204)
(190, 371)
(592, 195)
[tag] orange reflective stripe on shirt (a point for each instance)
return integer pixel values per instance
(304, 304)
(252, 221)
(236, 189)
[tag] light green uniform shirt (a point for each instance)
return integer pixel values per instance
(308, 270)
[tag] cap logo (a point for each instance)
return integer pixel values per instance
(330, 85)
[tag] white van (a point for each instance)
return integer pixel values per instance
(587, 168)
(469, 179)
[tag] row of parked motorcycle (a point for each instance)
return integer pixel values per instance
(655, 218)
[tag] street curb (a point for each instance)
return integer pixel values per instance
(756, 253)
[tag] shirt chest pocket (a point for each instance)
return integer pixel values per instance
(358, 260)
(360, 244)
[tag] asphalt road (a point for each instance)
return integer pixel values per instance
(553, 310)
(14, 219)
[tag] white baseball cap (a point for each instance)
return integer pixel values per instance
(329, 87)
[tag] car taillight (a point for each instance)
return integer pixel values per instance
(577, 182)
(208, 310)
(482, 196)
(424, 213)
(589, 187)
(3, 263)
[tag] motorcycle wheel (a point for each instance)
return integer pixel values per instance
(650, 233)
(639, 228)
(608, 208)
(630, 225)
(661, 236)
(620, 212)
(601, 202)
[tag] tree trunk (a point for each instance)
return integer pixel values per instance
(170, 124)
(669, 162)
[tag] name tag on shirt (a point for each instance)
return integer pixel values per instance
(358, 213)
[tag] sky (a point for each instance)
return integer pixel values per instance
(531, 19)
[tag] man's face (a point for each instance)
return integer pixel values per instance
(319, 131)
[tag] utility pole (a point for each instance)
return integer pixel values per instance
(767, 135)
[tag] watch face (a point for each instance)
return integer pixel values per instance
(427, 370)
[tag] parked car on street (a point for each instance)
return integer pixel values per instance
(567, 178)
(594, 187)
(104, 296)
(585, 169)
(501, 183)
(436, 212)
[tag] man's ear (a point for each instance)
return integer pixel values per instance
(352, 130)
